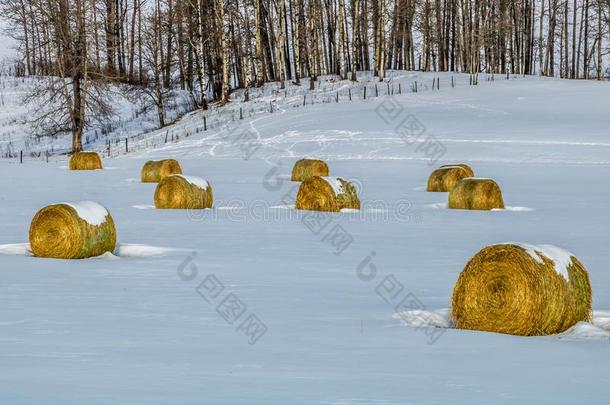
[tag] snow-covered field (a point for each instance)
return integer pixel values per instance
(172, 316)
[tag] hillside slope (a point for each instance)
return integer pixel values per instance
(143, 325)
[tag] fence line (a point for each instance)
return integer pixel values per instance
(230, 115)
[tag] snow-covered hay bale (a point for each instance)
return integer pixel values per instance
(183, 192)
(85, 161)
(153, 171)
(330, 194)
(307, 168)
(522, 289)
(463, 166)
(445, 178)
(72, 231)
(476, 194)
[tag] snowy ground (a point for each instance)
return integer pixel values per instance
(129, 119)
(134, 327)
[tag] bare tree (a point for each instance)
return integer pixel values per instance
(75, 96)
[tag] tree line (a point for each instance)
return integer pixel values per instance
(208, 48)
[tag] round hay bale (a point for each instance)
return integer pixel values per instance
(476, 194)
(463, 166)
(331, 194)
(85, 161)
(444, 179)
(307, 168)
(183, 192)
(72, 231)
(521, 290)
(153, 171)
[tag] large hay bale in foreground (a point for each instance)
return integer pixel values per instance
(330, 194)
(307, 168)
(445, 178)
(153, 171)
(183, 192)
(476, 194)
(463, 166)
(522, 290)
(72, 231)
(85, 161)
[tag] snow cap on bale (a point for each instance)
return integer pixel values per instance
(330, 194)
(85, 161)
(445, 178)
(522, 289)
(307, 168)
(72, 231)
(153, 171)
(183, 192)
(463, 166)
(476, 194)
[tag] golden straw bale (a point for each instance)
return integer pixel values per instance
(522, 290)
(476, 194)
(330, 194)
(463, 166)
(85, 161)
(183, 192)
(72, 231)
(444, 179)
(306, 168)
(153, 171)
